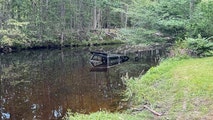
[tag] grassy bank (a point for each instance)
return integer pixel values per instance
(178, 88)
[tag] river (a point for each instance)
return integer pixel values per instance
(43, 84)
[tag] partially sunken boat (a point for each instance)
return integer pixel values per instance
(106, 60)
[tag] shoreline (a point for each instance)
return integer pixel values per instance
(10, 49)
(169, 91)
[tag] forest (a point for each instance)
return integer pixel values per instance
(57, 23)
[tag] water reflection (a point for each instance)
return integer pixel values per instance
(44, 84)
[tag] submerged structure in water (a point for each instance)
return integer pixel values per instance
(101, 60)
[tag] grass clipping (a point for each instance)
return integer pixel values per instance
(180, 89)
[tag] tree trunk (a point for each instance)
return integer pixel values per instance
(62, 22)
(47, 4)
(32, 16)
(71, 19)
(40, 33)
(107, 17)
(126, 17)
(99, 18)
(1, 17)
(79, 16)
(75, 19)
(94, 16)
(122, 19)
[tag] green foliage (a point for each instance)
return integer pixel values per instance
(103, 115)
(172, 17)
(15, 24)
(13, 36)
(139, 36)
(200, 46)
(167, 17)
(48, 20)
(174, 27)
(141, 13)
(201, 22)
(192, 47)
(6, 41)
(176, 18)
(97, 116)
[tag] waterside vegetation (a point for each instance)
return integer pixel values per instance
(181, 87)
(176, 89)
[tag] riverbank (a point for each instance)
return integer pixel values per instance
(16, 40)
(176, 89)
(56, 45)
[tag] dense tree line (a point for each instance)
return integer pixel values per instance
(174, 18)
(39, 22)
(31, 21)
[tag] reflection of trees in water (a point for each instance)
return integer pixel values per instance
(141, 60)
(19, 76)
(151, 56)
(42, 85)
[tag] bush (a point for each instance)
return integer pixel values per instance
(200, 46)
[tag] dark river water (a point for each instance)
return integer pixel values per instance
(43, 84)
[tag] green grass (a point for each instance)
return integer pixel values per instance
(102, 115)
(178, 88)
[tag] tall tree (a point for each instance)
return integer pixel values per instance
(95, 15)
(63, 22)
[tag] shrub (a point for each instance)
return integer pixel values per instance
(200, 46)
